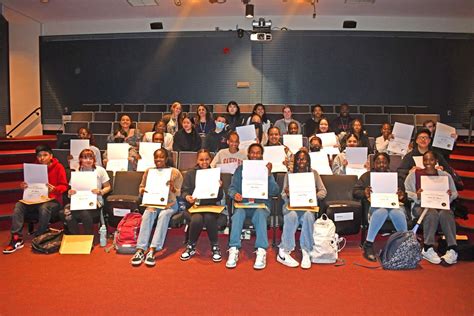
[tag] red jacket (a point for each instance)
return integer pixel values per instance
(57, 178)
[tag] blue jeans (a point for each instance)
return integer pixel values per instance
(291, 221)
(259, 219)
(379, 216)
(161, 228)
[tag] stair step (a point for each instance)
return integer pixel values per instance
(462, 162)
(466, 195)
(467, 178)
(27, 142)
(8, 157)
(13, 172)
(6, 210)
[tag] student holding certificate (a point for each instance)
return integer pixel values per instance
(152, 212)
(85, 133)
(56, 186)
(340, 162)
(378, 215)
(292, 219)
(160, 126)
(125, 133)
(87, 162)
(381, 142)
(434, 217)
(422, 145)
(197, 221)
(258, 213)
(357, 129)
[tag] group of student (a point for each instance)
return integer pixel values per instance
(179, 132)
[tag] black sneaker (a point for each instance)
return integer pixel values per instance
(150, 259)
(369, 252)
(216, 254)
(188, 253)
(15, 243)
(137, 258)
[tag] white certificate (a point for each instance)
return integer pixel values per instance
(356, 157)
(302, 189)
(330, 151)
(35, 173)
(328, 139)
(255, 179)
(35, 192)
(227, 167)
(402, 136)
(355, 171)
(442, 137)
(384, 189)
(146, 153)
(276, 155)
(244, 145)
(157, 188)
(83, 183)
(246, 133)
(207, 183)
(293, 142)
(77, 145)
(435, 192)
(320, 162)
(36, 177)
(419, 162)
(117, 156)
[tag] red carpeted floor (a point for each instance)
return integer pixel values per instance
(106, 284)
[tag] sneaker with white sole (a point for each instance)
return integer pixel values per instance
(15, 243)
(188, 252)
(286, 259)
(306, 260)
(261, 259)
(450, 257)
(216, 254)
(431, 256)
(150, 260)
(233, 258)
(137, 258)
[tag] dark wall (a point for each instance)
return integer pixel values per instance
(4, 73)
(296, 67)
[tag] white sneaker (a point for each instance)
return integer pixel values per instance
(450, 257)
(233, 258)
(286, 259)
(306, 260)
(261, 259)
(431, 256)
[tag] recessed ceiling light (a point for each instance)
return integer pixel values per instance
(143, 3)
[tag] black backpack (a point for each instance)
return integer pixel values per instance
(401, 252)
(47, 243)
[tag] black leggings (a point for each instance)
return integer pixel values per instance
(86, 217)
(197, 221)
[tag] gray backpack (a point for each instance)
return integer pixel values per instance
(401, 252)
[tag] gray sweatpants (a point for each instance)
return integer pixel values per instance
(433, 218)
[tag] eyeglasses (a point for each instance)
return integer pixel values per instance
(423, 137)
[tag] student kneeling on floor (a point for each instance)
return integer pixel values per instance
(57, 185)
(259, 215)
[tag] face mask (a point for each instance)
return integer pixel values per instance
(220, 126)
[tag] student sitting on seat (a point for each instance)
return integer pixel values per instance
(57, 185)
(152, 213)
(197, 221)
(259, 215)
(292, 219)
(87, 164)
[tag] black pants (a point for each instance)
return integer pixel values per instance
(197, 221)
(86, 217)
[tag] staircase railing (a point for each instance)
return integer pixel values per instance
(35, 111)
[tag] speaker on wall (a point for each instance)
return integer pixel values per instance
(349, 24)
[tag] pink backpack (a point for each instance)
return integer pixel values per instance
(126, 236)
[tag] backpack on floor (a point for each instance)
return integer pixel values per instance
(126, 235)
(47, 243)
(401, 252)
(326, 242)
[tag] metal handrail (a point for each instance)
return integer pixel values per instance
(22, 121)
